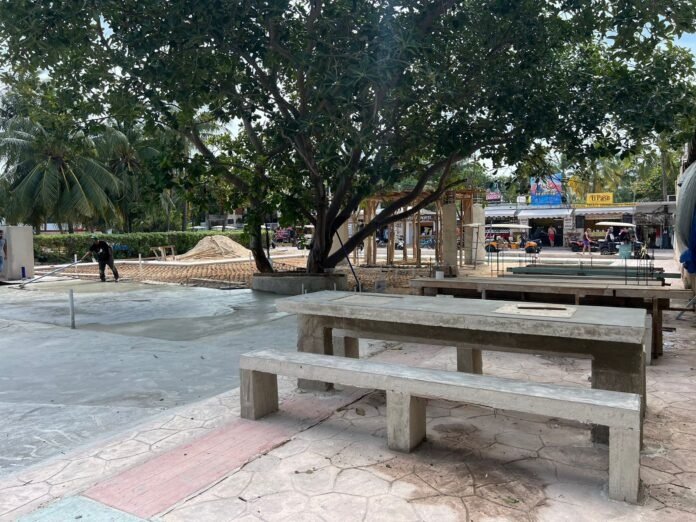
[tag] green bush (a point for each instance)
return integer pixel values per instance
(60, 248)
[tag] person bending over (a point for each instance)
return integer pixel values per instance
(105, 256)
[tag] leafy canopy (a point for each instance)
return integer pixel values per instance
(340, 100)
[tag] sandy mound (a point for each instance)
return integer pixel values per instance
(216, 247)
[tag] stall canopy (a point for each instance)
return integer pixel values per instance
(603, 210)
(500, 212)
(540, 213)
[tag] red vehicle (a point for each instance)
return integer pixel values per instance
(576, 245)
(284, 235)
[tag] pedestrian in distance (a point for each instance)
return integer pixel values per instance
(609, 236)
(586, 241)
(552, 236)
(105, 256)
(3, 250)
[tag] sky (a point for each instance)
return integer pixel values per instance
(688, 40)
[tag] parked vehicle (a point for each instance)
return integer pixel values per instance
(576, 245)
(638, 249)
(427, 242)
(611, 246)
(284, 235)
(498, 244)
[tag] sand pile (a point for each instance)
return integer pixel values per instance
(216, 247)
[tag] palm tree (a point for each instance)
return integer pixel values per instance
(56, 173)
(124, 153)
(602, 175)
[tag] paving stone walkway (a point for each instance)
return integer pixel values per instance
(477, 463)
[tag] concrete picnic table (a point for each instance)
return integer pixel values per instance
(652, 298)
(613, 338)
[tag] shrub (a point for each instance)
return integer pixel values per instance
(60, 248)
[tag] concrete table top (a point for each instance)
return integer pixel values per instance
(623, 325)
(555, 286)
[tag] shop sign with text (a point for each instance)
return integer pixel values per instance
(600, 198)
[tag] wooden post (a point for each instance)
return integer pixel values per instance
(461, 231)
(404, 224)
(369, 241)
(390, 244)
(354, 227)
(416, 241)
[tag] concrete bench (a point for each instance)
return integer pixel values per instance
(613, 338)
(408, 388)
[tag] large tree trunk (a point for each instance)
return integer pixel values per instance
(316, 261)
(256, 244)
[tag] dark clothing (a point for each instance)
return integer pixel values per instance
(101, 250)
(105, 256)
(102, 267)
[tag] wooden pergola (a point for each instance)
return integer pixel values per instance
(462, 198)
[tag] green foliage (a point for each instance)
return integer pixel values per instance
(60, 248)
(345, 99)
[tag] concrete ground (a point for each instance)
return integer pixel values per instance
(137, 350)
(323, 457)
(135, 416)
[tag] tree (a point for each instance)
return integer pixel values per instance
(341, 100)
(55, 173)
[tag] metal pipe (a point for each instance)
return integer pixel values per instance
(72, 309)
(22, 285)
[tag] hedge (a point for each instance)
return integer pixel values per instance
(60, 248)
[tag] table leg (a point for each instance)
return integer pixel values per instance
(657, 325)
(623, 373)
(469, 359)
(313, 337)
(344, 346)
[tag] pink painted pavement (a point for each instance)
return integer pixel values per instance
(158, 484)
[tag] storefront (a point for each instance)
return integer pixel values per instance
(588, 217)
(654, 223)
(500, 214)
(543, 221)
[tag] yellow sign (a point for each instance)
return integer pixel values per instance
(600, 198)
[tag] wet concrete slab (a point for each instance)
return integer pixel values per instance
(137, 350)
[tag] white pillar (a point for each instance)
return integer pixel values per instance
(478, 215)
(449, 232)
(20, 252)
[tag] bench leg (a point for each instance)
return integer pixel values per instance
(313, 337)
(619, 373)
(405, 421)
(624, 464)
(258, 394)
(658, 339)
(469, 360)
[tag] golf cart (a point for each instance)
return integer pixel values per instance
(305, 236)
(612, 246)
(498, 243)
